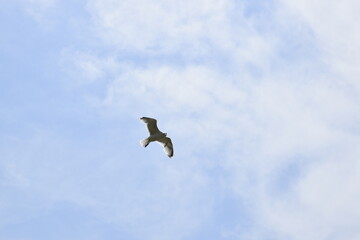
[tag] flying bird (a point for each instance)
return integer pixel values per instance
(157, 135)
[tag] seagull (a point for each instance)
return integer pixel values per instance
(157, 135)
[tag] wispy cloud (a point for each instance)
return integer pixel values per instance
(261, 101)
(160, 27)
(285, 114)
(39, 10)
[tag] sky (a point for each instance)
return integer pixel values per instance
(260, 98)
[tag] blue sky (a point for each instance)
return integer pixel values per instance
(260, 98)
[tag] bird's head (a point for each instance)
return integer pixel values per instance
(165, 134)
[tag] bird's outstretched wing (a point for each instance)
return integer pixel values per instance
(151, 125)
(168, 146)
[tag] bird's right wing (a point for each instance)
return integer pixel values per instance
(168, 146)
(151, 125)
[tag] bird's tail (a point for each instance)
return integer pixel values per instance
(145, 142)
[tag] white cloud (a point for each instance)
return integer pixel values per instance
(161, 25)
(314, 117)
(262, 127)
(322, 205)
(227, 107)
(335, 25)
(85, 69)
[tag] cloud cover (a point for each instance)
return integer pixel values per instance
(260, 99)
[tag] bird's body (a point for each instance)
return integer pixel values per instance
(156, 135)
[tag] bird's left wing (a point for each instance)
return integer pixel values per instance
(168, 146)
